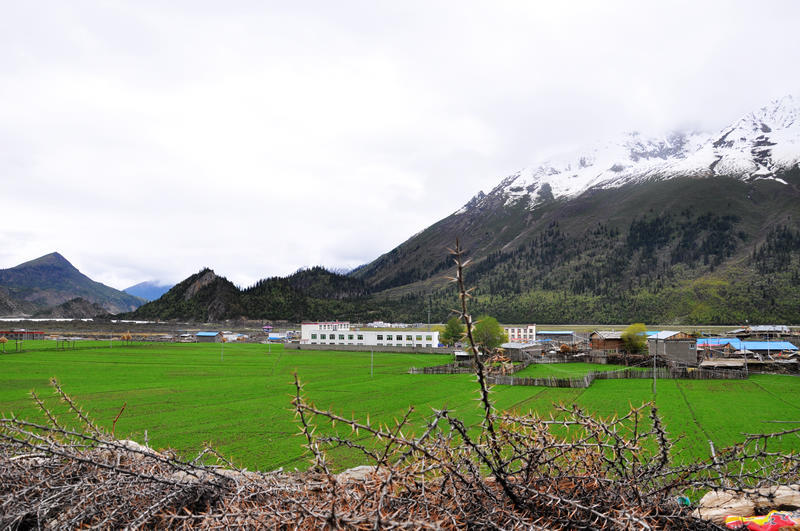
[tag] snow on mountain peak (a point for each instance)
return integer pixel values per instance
(757, 146)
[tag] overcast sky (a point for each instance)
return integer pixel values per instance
(146, 140)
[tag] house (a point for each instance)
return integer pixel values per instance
(606, 340)
(340, 333)
(521, 333)
(208, 337)
(674, 346)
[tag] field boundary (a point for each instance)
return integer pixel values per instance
(663, 373)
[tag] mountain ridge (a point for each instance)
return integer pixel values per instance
(51, 279)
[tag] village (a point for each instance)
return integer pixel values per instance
(757, 348)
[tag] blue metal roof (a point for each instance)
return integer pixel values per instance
(720, 341)
(207, 334)
(768, 345)
(747, 345)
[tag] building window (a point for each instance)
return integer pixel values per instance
(322, 336)
(313, 336)
(341, 336)
(380, 337)
(389, 337)
(419, 338)
(428, 338)
(350, 337)
(360, 337)
(409, 338)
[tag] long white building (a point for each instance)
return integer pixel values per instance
(340, 333)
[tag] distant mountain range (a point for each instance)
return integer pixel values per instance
(49, 281)
(148, 290)
(689, 228)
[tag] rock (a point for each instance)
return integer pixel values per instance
(359, 473)
(717, 504)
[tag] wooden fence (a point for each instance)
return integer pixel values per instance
(663, 373)
(456, 368)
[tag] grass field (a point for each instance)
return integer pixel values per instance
(238, 400)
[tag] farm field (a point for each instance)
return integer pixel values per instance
(238, 398)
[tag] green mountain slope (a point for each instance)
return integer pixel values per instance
(710, 250)
(51, 280)
(307, 294)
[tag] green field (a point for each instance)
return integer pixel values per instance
(239, 400)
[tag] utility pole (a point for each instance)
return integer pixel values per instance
(429, 313)
(371, 361)
(654, 367)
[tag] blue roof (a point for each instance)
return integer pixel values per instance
(207, 334)
(747, 345)
(719, 341)
(768, 345)
(652, 332)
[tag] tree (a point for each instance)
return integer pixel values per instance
(453, 331)
(635, 338)
(488, 333)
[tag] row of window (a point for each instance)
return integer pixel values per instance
(389, 337)
(341, 336)
(400, 338)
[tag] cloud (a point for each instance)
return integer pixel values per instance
(144, 140)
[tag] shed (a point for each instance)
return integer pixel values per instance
(606, 340)
(208, 337)
(460, 355)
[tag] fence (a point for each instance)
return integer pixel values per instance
(663, 373)
(456, 368)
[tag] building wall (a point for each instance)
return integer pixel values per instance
(209, 339)
(599, 343)
(521, 333)
(307, 329)
(368, 348)
(678, 350)
(397, 337)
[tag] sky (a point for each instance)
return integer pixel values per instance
(146, 140)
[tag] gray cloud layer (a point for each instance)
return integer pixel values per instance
(144, 141)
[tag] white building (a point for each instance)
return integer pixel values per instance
(339, 333)
(521, 333)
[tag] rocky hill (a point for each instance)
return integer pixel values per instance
(51, 280)
(307, 294)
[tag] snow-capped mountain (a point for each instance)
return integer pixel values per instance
(758, 146)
